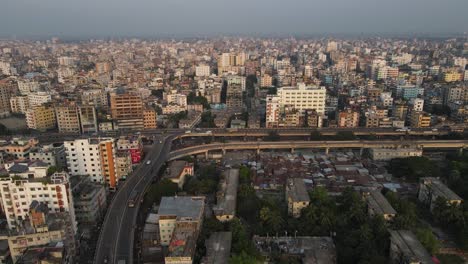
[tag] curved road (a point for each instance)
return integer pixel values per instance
(115, 241)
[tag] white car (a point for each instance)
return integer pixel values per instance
(148, 162)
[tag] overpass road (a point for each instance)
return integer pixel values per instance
(115, 241)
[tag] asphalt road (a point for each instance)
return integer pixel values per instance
(115, 242)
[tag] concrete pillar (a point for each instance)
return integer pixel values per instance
(292, 150)
(361, 151)
(460, 151)
(258, 151)
(206, 154)
(224, 151)
(327, 150)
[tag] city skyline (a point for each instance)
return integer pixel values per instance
(210, 18)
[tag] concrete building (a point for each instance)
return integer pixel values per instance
(218, 248)
(418, 104)
(41, 118)
(178, 170)
(68, 120)
(127, 110)
(88, 119)
(19, 104)
(432, 188)
(226, 197)
(53, 154)
(39, 98)
(408, 92)
(19, 147)
(377, 204)
(202, 71)
(192, 119)
(420, 119)
(6, 89)
(132, 144)
(348, 118)
(272, 111)
(183, 209)
(406, 248)
(18, 194)
(149, 118)
(89, 199)
(234, 96)
(393, 153)
(296, 196)
(303, 97)
(316, 250)
(94, 157)
(123, 164)
(26, 87)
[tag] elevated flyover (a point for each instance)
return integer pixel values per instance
(326, 145)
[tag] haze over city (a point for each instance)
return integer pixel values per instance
(182, 18)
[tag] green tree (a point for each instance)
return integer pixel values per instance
(243, 258)
(51, 170)
(271, 219)
(428, 240)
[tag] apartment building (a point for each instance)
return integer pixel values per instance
(26, 87)
(52, 154)
(94, 157)
(88, 119)
(348, 118)
(406, 248)
(19, 147)
(19, 192)
(377, 204)
(127, 110)
(68, 120)
(6, 88)
(89, 199)
(19, 104)
(202, 71)
(420, 119)
(41, 117)
(132, 144)
(234, 96)
(149, 118)
(39, 98)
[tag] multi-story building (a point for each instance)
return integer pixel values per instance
(133, 145)
(452, 76)
(19, 192)
(236, 80)
(94, 157)
(420, 119)
(177, 98)
(234, 96)
(6, 88)
(123, 164)
(418, 104)
(19, 104)
(53, 154)
(230, 63)
(393, 153)
(26, 87)
(348, 118)
(149, 118)
(67, 115)
(180, 220)
(409, 91)
(303, 97)
(39, 98)
(127, 110)
(266, 80)
(41, 117)
(272, 111)
(42, 229)
(202, 71)
(89, 199)
(19, 147)
(88, 119)
(296, 196)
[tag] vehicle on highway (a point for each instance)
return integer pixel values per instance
(160, 141)
(148, 162)
(188, 132)
(208, 132)
(197, 129)
(134, 198)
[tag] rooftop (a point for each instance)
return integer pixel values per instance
(440, 189)
(182, 206)
(379, 203)
(227, 202)
(218, 248)
(410, 246)
(296, 190)
(176, 168)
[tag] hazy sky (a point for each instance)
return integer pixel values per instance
(208, 17)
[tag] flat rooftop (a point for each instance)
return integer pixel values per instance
(227, 204)
(182, 206)
(218, 248)
(296, 190)
(410, 246)
(379, 203)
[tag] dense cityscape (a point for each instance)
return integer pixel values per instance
(234, 150)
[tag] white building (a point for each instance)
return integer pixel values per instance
(386, 99)
(19, 104)
(26, 87)
(418, 104)
(18, 194)
(39, 98)
(178, 99)
(94, 157)
(202, 71)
